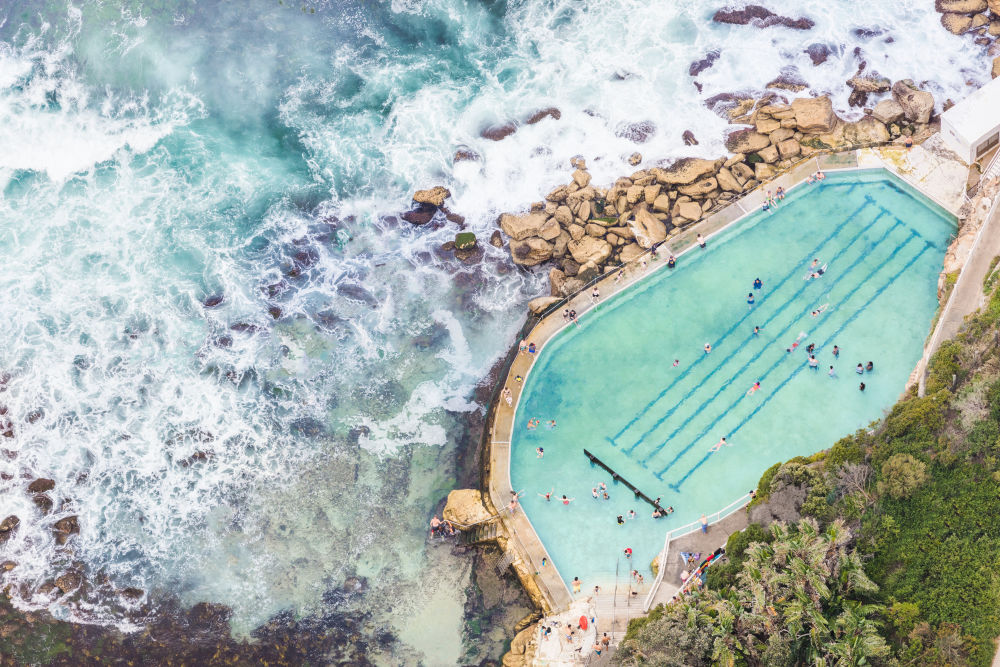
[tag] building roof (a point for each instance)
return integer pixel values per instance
(978, 113)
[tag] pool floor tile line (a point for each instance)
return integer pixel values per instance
(927, 246)
(687, 370)
(775, 365)
(783, 331)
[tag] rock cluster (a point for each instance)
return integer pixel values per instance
(977, 17)
(586, 230)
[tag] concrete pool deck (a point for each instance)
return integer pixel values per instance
(929, 170)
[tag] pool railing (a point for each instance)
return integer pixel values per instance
(692, 527)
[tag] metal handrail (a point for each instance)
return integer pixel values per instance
(692, 527)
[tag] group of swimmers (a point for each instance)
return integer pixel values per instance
(818, 176)
(771, 200)
(441, 527)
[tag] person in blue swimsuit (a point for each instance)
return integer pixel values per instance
(757, 284)
(750, 301)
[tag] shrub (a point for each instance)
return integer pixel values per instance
(944, 367)
(901, 474)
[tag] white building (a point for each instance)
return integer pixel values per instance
(971, 128)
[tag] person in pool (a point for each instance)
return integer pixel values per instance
(757, 284)
(836, 351)
(860, 369)
(701, 241)
(780, 192)
(750, 301)
(869, 367)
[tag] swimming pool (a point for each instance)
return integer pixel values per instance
(612, 388)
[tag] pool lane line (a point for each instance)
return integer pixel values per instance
(746, 365)
(869, 246)
(799, 368)
(781, 309)
(688, 369)
(927, 245)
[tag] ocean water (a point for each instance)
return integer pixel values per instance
(656, 424)
(154, 155)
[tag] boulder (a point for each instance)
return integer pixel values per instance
(662, 203)
(651, 192)
(576, 231)
(727, 181)
(760, 17)
(917, 104)
(520, 227)
(994, 28)
(870, 83)
(596, 231)
(789, 148)
(523, 648)
(64, 528)
(586, 273)
(980, 20)
(559, 194)
(581, 178)
(763, 172)
(960, 6)
(586, 210)
(814, 114)
(646, 228)
(689, 210)
(995, 72)
(623, 232)
(550, 230)
(69, 581)
(887, 111)
(540, 304)
(559, 245)
(435, 196)
(956, 24)
(496, 240)
(589, 249)
(685, 171)
(633, 194)
(557, 279)
(767, 125)
(563, 215)
(464, 507)
(699, 188)
(530, 251)
(818, 53)
(630, 252)
(781, 134)
(638, 132)
(634, 159)
(742, 172)
(8, 527)
(41, 485)
(466, 154)
(42, 502)
(769, 154)
(868, 130)
(745, 141)
(569, 267)
(688, 138)
(994, 6)
(572, 286)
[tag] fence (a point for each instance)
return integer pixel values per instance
(692, 527)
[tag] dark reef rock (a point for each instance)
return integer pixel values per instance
(41, 485)
(638, 132)
(420, 215)
(464, 153)
(8, 527)
(498, 132)
(542, 114)
(699, 66)
(64, 528)
(42, 502)
(214, 300)
(818, 53)
(760, 17)
(689, 139)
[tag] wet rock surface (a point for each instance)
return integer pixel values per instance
(760, 17)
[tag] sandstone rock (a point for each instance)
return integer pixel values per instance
(597, 231)
(633, 194)
(733, 159)
(995, 71)
(917, 104)
(523, 648)
(727, 181)
(623, 232)
(496, 240)
(980, 20)
(634, 159)
(572, 286)
(781, 134)
(563, 215)
(994, 6)
(520, 227)
(746, 141)
(8, 565)
(699, 188)
(576, 231)
(789, 148)
(870, 83)
(769, 154)
(767, 125)
(569, 267)
(435, 196)
(613, 239)
(589, 249)
(69, 581)
(742, 172)
(662, 203)
(814, 114)
(651, 192)
(557, 281)
(540, 304)
(550, 208)
(887, 111)
(685, 171)
(581, 178)
(560, 244)
(956, 24)
(41, 485)
(559, 194)
(64, 528)
(587, 272)
(550, 230)
(530, 251)
(586, 210)
(8, 527)
(689, 210)
(464, 507)
(498, 132)
(646, 228)
(630, 252)
(465, 153)
(542, 114)
(868, 130)
(763, 172)
(960, 6)
(994, 29)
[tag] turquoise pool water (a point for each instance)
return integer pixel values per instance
(611, 386)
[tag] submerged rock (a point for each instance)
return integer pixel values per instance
(214, 300)
(638, 132)
(499, 132)
(41, 485)
(64, 528)
(420, 215)
(8, 527)
(818, 53)
(542, 114)
(464, 154)
(760, 17)
(699, 66)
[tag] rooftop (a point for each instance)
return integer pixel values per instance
(978, 113)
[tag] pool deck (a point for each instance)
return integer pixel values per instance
(926, 167)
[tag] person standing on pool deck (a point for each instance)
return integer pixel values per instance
(701, 241)
(750, 301)
(704, 523)
(531, 348)
(576, 584)
(757, 284)
(595, 295)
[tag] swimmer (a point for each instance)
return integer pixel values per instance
(832, 373)
(676, 362)
(869, 367)
(606, 496)
(567, 501)
(656, 514)
(814, 264)
(795, 344)
(756, 331)
(810, 348)
(816, 274)
(631, 514)
(670, 510)
(540, 451)
(755, 387)
(757, 284)
(671, 262)
(820, 175)
(594, 493)
(750, 301)
(552, 424)
(820, 309)
(603, 486)
(861, 386)
(836, 351)
(717, 446)
(621, 520)
(708, 348)
(701, 241)
(628, 552)
(531, 424)
(810, 179)
(860, 369)
(547, 496)
(813, 364)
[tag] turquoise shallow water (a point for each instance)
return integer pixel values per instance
(611, 386)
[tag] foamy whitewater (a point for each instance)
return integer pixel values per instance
(253, 151)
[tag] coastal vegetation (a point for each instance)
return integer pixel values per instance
(888, 548)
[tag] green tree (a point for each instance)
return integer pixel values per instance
(901, 474)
